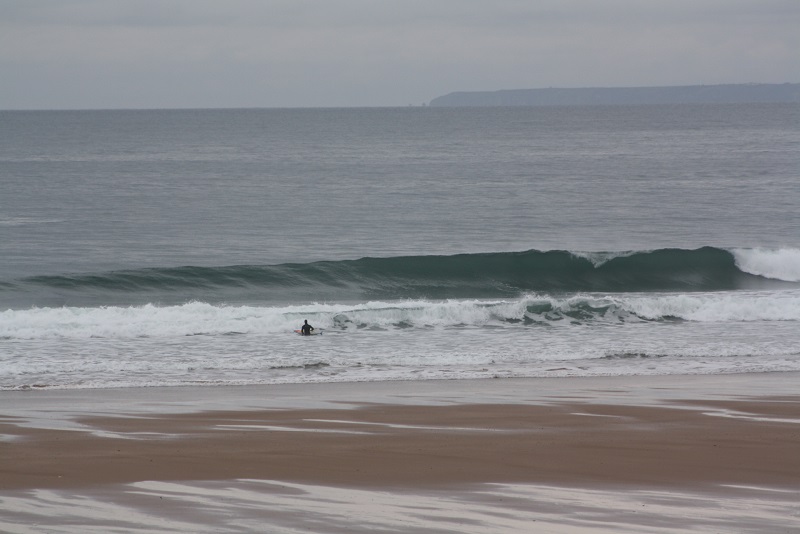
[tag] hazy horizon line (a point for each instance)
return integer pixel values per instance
(390, 106)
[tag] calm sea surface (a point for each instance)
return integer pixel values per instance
(174, 247)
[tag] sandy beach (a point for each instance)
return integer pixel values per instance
(689, 447)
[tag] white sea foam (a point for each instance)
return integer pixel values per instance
(719, 307)
(201, 318)
(781, 264)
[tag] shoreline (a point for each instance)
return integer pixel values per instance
(675, 418)
(697, 442)
(656, 388)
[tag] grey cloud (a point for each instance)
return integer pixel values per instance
(163, 53)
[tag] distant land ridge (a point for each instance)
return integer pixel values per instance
(687, 94)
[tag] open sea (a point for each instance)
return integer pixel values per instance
(183, 247)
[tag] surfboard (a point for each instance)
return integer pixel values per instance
(316, 332)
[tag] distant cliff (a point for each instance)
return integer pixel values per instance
(689, 94)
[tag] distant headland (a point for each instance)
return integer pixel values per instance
(687, 94)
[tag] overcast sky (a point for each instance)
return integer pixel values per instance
(64, 54)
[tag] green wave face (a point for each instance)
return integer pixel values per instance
(435, 277)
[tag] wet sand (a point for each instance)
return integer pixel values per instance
(680, 435)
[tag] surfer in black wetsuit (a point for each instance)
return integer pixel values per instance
(306, 329)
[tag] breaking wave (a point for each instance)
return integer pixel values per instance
(199, 318)
(488, 275)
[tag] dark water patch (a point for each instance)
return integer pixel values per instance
(311, 366)
(632, 356)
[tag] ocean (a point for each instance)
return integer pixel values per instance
(184, 247)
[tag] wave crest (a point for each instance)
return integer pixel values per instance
(488, 275)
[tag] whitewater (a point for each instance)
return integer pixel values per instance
(198, 317)
(175, 248)
(556, 333)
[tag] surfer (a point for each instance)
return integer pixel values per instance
(306, 329)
